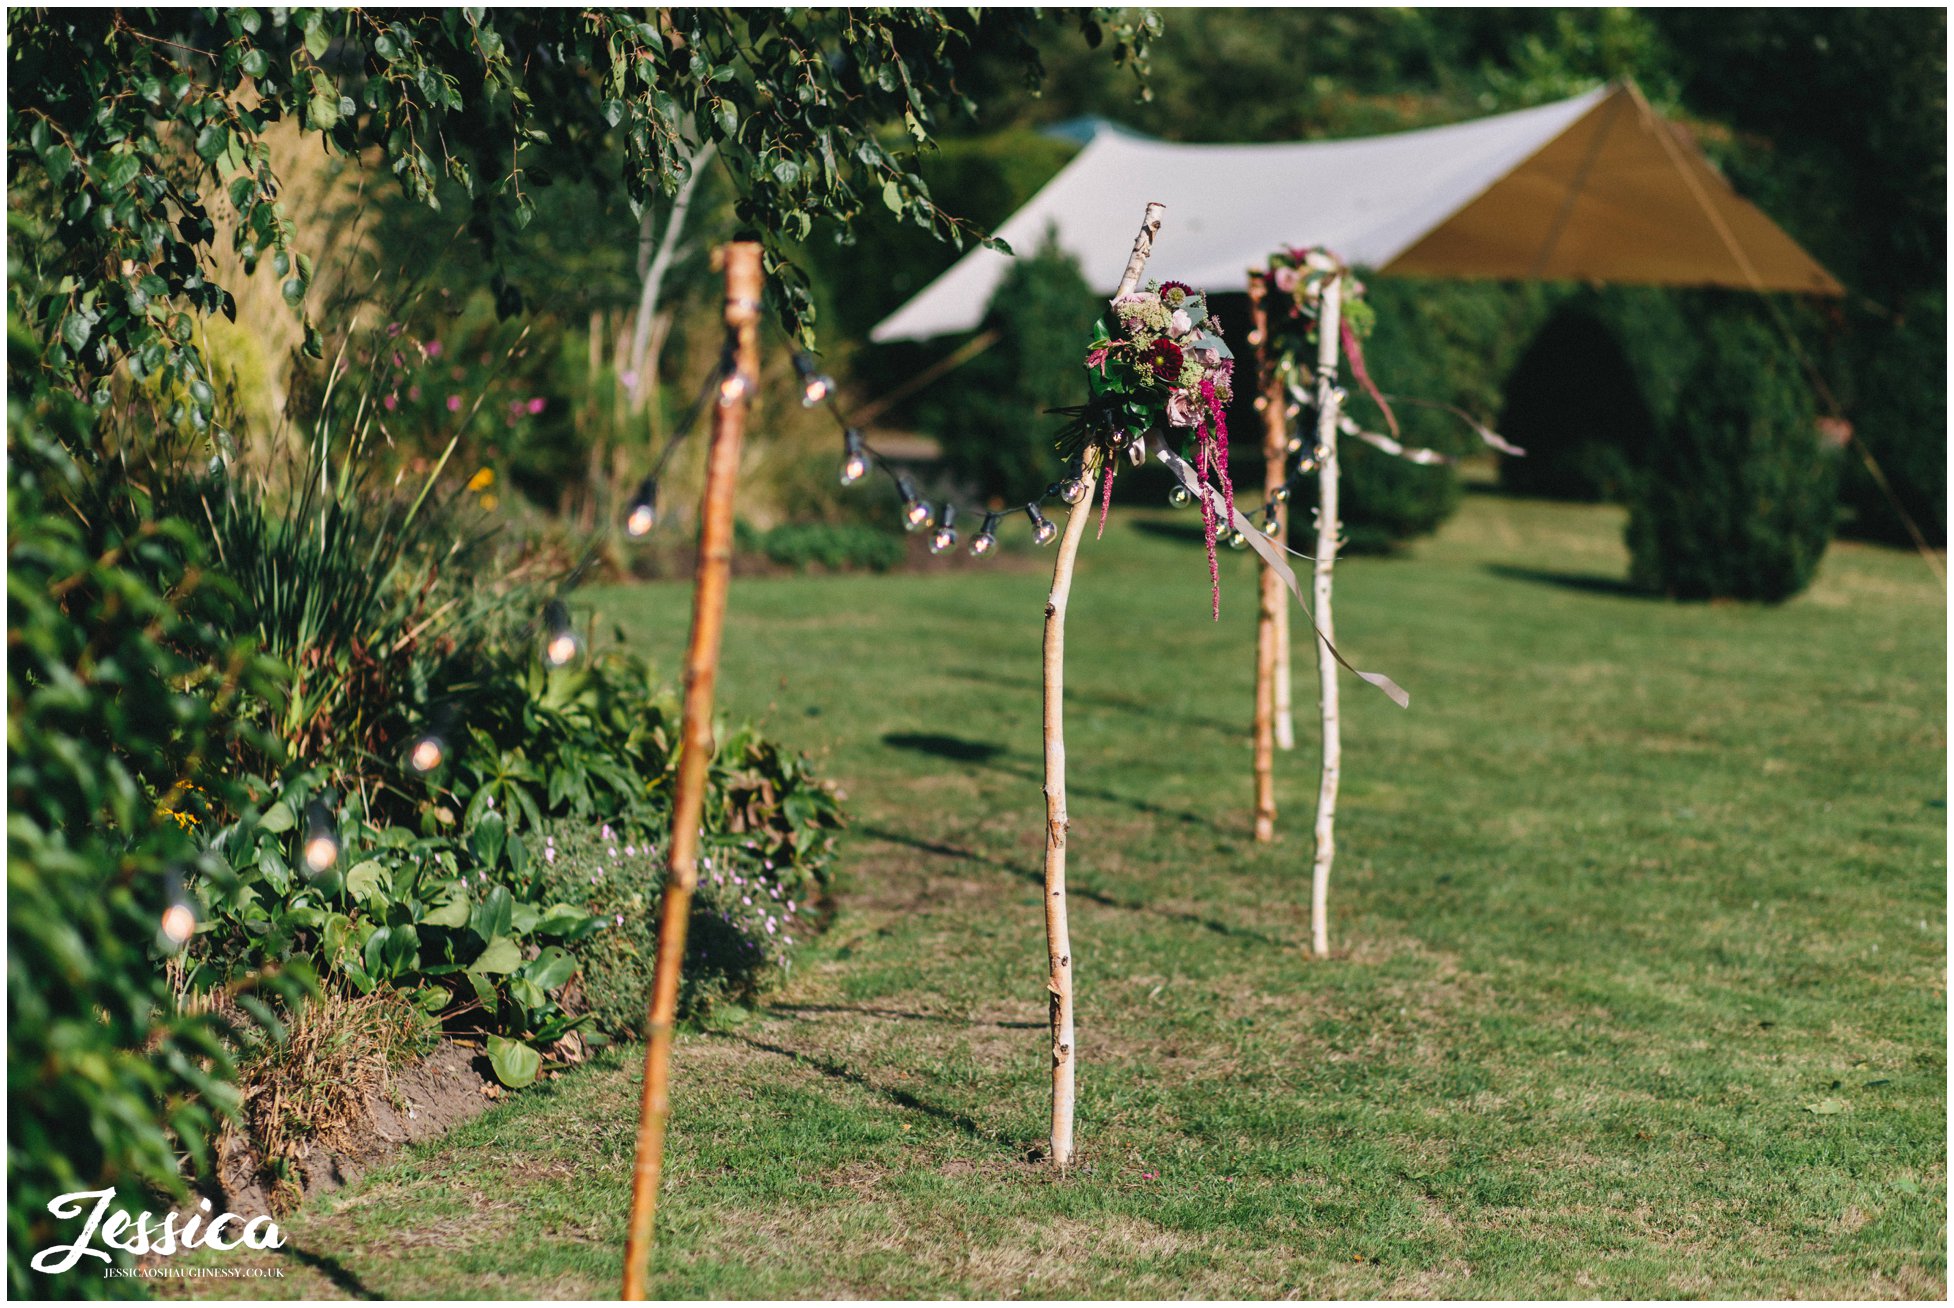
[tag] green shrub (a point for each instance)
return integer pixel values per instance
(123, 673)
(1736, 500)
(1899, 410)
(990, 413)
(836, 546)
(1445, 343)
(461, 925)
(749, 917)
(1575, 404)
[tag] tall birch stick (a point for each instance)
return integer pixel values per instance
(1058, 932)
(1328, 404)
(1274, 599)
(1285, 714)
(695, 749)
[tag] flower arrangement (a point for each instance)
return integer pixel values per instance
(1161, 365)
(1298, 274)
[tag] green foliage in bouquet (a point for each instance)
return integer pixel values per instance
(1737, 498)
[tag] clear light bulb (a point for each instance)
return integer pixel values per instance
(321, 849)
(1042, 530)
(854, 458)
(1073, 490)
(1180, 497)
(945, 538)
(179, 919)
(427, 754)
(986, 538)
(816, 386)
(179, 924)
(733, 387)
(643, 515)
(1237, 541)
(1295, 444)
(1306, 464)
(915, 509)
(1321, 453)
(560, 645)
(1261, 403)
(1282, 495)
(1270, 523)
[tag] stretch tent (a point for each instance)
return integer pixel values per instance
(1596, 188)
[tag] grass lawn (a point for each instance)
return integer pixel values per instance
(1640, 984)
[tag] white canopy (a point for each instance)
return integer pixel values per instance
(1596, 188)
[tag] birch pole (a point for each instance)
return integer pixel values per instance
(1285, 714)
(714, 566)
(1275, 603)
(1058, 932)
(1328, 403)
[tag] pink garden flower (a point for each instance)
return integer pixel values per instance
(1183, 410)
(1286, 279)
(536, 405)
(454, 404)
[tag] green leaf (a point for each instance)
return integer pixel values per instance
(451, 912)
(892, 196)
(213, 141)
(550, 969)
(502, 955)
(364, 881)
(516, 1065)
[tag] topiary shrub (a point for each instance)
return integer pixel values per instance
(1575, 404)
(1443, 342)
(989, 414)
(1899, 411)
(1736, 501)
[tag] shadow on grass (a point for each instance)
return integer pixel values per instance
(343, 1278)
(840, 1072)
(984, 754)
(1134, 704)
(1036, 877)
(894, 1014)
(1581, 581)
(954, 748)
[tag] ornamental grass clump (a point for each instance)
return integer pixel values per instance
(751, 913)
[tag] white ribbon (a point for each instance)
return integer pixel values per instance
(1270, 555)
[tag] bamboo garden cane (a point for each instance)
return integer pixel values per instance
(1058, 934)
(1329, 402)
(1269, 645)
(743, 277)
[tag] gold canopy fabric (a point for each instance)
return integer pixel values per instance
(1620, 196)
(1595, 188)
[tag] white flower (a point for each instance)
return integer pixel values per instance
(1180, 324)
(1182, 411)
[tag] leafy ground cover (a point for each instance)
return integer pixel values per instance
(1640, 987)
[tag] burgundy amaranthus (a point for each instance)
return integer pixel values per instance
(1207, 515)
